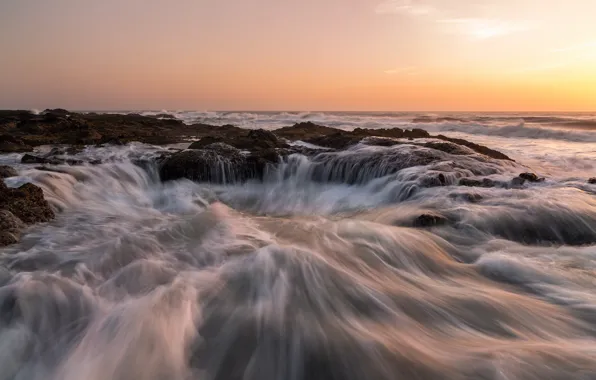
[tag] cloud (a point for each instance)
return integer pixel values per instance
(408, 7)
(409, 70)
(484, 28)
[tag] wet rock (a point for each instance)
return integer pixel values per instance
(449, 147)
(24, 205)
(10, 227)
(531, 177)
(475, 147)
(252, 140)
(470, 182)
(430, 220)
(11, 144)
(208, 165)
(7, 171)
(592, 181)
(336, 141)
(31, 159)
(27, 203)
(517, 182)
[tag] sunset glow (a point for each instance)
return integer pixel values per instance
(392, 55)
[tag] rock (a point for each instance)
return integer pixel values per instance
(486, 182)
(430, 220)
(10, 227)
(27, 203)
(416, 133)
(531, 177)
(252, 140)
(517, 182)
(336, 141)
(263, 135)
(206, 165)
(11, 144)
(31, 159)
(475, 147)
(7, 171)
(592, 181)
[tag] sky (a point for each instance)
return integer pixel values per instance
(302, 55)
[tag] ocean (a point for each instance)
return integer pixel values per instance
(310, 276)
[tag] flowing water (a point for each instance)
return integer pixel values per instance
(321, 270)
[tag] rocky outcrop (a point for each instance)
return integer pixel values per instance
(22, 130)
(217, 163)
(250, 140)
(19, 207)
(7, 171)
(592, 181)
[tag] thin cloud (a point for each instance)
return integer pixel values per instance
(408, 7)
(483, 28)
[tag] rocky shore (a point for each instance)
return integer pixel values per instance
(228, 154)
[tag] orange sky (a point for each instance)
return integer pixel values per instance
(352, 55)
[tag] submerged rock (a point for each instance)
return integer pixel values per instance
(470, 182)
(430, 220)
(592, 181)
(531, 177)
(7, 171)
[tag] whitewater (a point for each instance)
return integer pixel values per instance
(322, 270)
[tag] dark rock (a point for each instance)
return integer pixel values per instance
(263, 135)
(7, 171)
(531, 177)
(592, 181)
(517, 182)
(208, 165)
(416, 133)
(485, 182)
(27, 203)
(165, 116)
(11, 144)
(31, 159)
(475, 147)
(252, 140)
(448, 147)
(56, 111)
(430, 220)
(336, 141)
(10, 227)
(18, 207)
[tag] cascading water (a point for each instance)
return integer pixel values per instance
(319, 271)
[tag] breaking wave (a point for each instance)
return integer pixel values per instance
(364, 264)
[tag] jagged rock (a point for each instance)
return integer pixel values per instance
(430, 220)
(592, 181)
(27, 203)
(7, 171)
(210, 165)
(531, 177)
(10, 228)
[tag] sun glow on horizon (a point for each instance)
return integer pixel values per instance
(373, 55)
